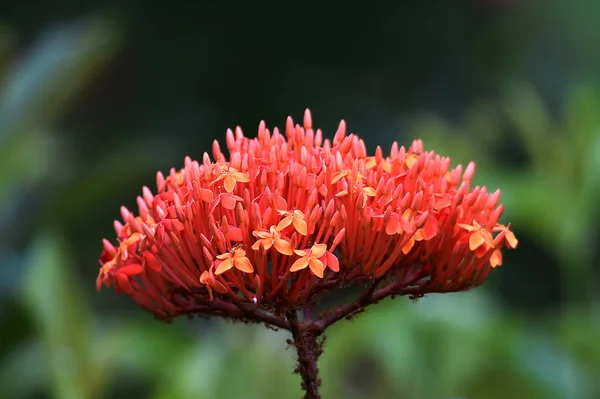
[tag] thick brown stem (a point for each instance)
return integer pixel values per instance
(305, 339)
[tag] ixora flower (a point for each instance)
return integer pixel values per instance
(263, 235)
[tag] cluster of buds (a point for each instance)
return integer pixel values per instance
(289, 217)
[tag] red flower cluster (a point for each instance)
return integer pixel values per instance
(289, 217)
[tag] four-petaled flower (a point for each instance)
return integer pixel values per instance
(236, 258)
(296, 218)
(378, 160)
(316, 258)
(478, 236)
(365, 193)
(505, 236)
(209, 279)
(272, 238)
(230, 176)
(227, 200)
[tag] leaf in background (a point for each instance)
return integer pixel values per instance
(483, 127)
(583, 126)
(533, 123)
(23, 360)
(581, 116)
(23, 160)
(63, 59)
(54, 296)
(232, 361)
(590, 190)
(194, 371)
(548, 366)
(34, 91)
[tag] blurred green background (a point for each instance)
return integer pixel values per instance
(96, 97)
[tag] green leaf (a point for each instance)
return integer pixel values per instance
(528, 112)
(63, 59)
(24, 360)
(23, 159)
(582, 119)
(232, 361)
(54, 297)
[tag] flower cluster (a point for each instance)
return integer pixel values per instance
(291, 216)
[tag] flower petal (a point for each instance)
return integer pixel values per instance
(206, 195)
(300, 226)
(299, 264)
(332, 262)
(443, 203)
(393, 226)
(260, 234)
(496, 258)
(431, 228)
(318, 250)
(285, 222)
(239, 252)
(122, 282)
(223, 266)
(369, 191)
(476, 240)
(151, 262)
(228, 202)
(467, 227)
(316, 266)
(228, 183)
(339, 176)
(411, 159)
(487, 237)
(131, 270)
(220, 288)
(243, 264)
(283, 247)
(408, 246)
(204, 277)
(235, 234)
(511, 240)
(241, 177)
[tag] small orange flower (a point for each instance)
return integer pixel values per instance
(509, 236)
(296, 218)
(236, 258)
(506, 236)
(272, 238)
(210, 281)
(496, 258)
(311, 258)
(479, 235)
(365, 193)
(340, 175)
(378, 160)
(228, 200)
(230, 176)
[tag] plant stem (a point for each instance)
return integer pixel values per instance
(305, 340)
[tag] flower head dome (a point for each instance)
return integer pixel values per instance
(289, 217)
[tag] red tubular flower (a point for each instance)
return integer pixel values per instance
(291, 216)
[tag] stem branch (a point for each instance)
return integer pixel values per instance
(305, 340)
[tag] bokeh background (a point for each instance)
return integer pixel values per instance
(96, 97)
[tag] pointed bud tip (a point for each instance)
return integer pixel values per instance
(307, 119)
